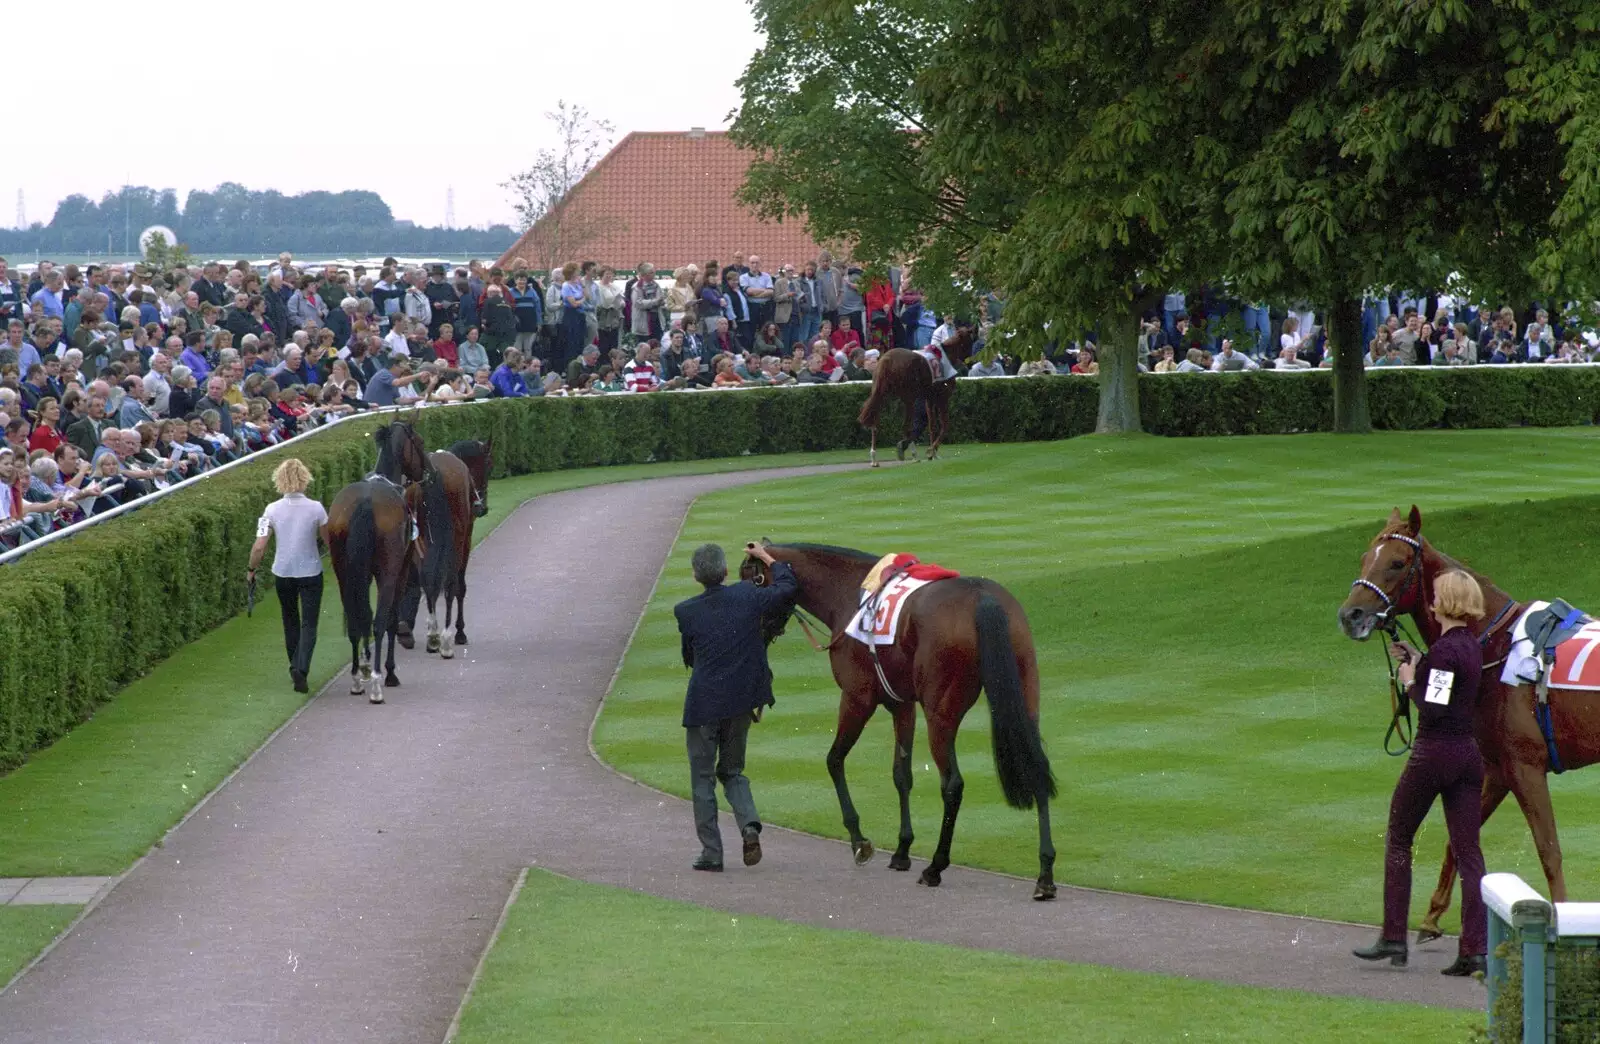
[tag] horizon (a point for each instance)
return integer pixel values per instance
(467, 136)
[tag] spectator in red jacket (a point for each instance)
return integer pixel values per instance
(844, 338)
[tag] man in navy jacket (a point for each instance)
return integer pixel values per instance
(730, 683)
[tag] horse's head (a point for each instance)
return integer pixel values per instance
(1390, 583)
(479, 459)
(401, 454)
(759, 573)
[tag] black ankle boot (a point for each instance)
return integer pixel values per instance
(1394, 951)
(1466, 966)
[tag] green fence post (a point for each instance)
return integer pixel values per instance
(1517, 911)
(1533, 927)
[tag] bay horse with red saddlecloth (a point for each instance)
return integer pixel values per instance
(369, 538)
(1397, 576)
(956, 636)
(908, 376)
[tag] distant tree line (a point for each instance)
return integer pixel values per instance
(232, 219)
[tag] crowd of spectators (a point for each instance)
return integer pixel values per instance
(1395, 330)
(117, 380)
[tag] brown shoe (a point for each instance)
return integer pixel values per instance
(752, 847)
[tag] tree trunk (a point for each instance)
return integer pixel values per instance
(1119, 371)
(1349, 367)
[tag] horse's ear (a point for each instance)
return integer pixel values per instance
(1414, 522)
(1396, 519)
(766, 541)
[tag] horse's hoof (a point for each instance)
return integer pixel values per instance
(433, 643)
(899, 862)
(930, 877)
(1044, 891)
(461, 637)
(863, 851)
(376, 696)
(406, 641)
(392, 681)
(357, 688)
(1426, 934)
(874, 464)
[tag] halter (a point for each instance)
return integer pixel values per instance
(1400, 726)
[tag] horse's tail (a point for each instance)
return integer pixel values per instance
(355, 570)
(1019, 757)
(437, 564)
(870, 409)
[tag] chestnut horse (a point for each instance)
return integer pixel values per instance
(369, 538)
(1397, 576)
(907, 376)
(956, 636)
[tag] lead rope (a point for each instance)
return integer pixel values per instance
(1400, 725)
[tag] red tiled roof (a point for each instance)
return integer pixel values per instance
(666, 198)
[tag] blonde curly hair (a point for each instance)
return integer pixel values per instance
(292, 476)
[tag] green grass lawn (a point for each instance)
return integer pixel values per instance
(1216, 738)
(691, 974)
(97, 799)
(25, 930)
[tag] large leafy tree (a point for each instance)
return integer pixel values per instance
(1084, 154)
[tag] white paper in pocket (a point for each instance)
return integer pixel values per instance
(1439, 685)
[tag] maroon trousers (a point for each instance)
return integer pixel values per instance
(1447, 767)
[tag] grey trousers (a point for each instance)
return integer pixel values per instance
(716, 752)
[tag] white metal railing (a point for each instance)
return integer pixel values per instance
(158, 494)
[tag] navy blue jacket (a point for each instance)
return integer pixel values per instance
(721, 630)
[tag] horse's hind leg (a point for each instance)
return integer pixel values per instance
(905, 732)
(872, 453)
(941, 741)
(461, 608)
(1494, 792)
(1532, 789)
(854, 710)
(358, 684)
(1045, 887)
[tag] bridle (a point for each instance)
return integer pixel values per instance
(1389, 622)
(1387, 618)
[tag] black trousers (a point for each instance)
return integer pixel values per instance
(300, 599)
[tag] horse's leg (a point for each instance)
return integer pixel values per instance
(358, 684)
(461, 608)
(1494, 792)
(905, 732)
(1532, 788)
(433, 643)
(872, 453)
(1045, 887)
(854, 710)
(407, 602)
(942, 744)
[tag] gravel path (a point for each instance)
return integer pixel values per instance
(344, 884)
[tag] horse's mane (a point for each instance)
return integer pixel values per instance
(864, 557)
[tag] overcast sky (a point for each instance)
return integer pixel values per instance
(466, 85)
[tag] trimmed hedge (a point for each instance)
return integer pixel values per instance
(84, 616)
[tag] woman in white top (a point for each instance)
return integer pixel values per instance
(297, 521)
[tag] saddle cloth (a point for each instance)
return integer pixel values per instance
(884, 593)
(1575, 665)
